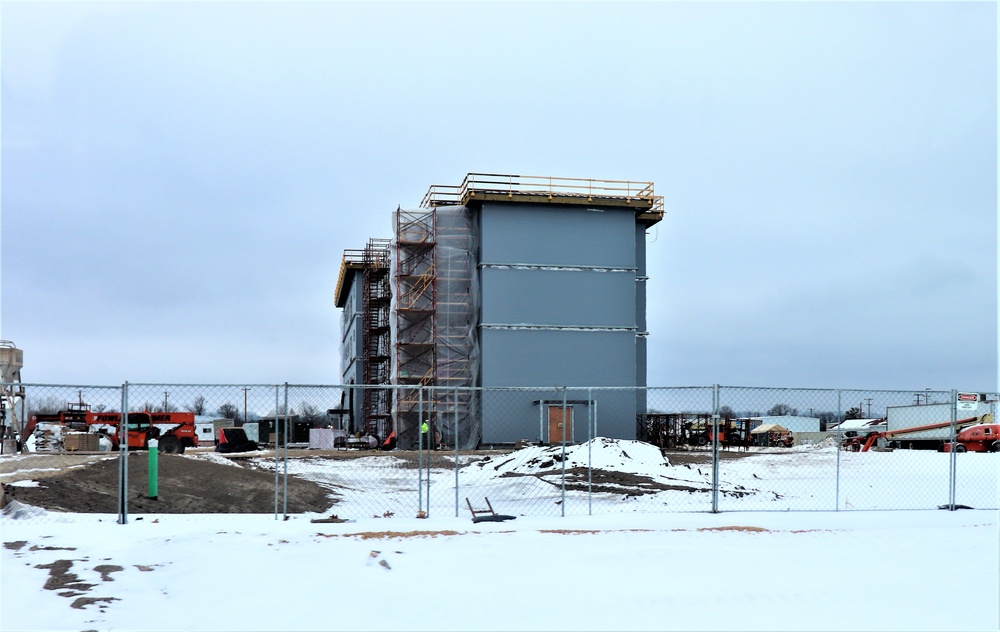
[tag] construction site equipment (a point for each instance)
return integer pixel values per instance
(926, 437)
(670, 431)
(11, 391)
(977, 438)
(234, 439)
(415, 306)
(773, 435)
(371, 265)
(175, 431)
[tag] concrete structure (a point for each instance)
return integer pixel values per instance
(508, 282)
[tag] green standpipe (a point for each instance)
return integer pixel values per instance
(154, 456)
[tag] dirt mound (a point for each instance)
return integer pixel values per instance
(185, 485)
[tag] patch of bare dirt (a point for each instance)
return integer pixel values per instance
(737, 528)
(386, 535)
(185, 485)
(608, 481)
(703, 456)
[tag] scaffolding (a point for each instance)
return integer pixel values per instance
(457, 323)
(375, 337)
(415, 309)
(436, 302)
(370, 268)
(436, 307)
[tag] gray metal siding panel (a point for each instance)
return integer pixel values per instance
(566, 298)
(640, 315)
(351, 343)
(557, 358)
(515, 234)
(557, 235)
(640, 286)
(512, 415)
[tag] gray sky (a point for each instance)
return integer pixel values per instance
(180, 179)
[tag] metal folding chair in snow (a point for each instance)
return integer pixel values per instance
(486, 515)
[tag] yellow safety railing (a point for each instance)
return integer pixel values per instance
(550, 186)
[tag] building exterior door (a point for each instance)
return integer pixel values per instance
(557, 424)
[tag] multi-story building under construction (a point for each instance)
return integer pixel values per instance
(502, 281)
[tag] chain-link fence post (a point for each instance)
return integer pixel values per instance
(123, 459)
(715, 448)
(562, 502)
(952, 461)
(420, 454)
(590, 446)
(840, 439)
(284, 479)
(277, 407)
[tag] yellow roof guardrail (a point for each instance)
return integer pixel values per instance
(553, 188)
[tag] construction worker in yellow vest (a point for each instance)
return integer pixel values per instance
(425, 435)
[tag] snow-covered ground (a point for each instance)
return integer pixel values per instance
(528, 481)
(900, 570)
(640, 562)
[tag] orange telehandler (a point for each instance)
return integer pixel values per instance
(175, 431)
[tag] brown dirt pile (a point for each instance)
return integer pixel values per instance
(185, 485)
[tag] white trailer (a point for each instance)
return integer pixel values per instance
(927, 427)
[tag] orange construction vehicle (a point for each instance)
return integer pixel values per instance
(929, 436)
(977, 438)
(175, 431)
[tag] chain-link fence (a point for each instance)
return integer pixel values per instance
(343, 452)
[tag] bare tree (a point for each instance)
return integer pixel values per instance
(229, 411)
(825, 419)
(780, 410)
(45, 405)
(198, 405)
(308, 412)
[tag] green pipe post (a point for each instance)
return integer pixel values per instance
(154, 461)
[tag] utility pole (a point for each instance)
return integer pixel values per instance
(165, 401)
(869, 400)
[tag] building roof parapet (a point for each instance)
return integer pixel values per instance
(374, 256)
(549, 189)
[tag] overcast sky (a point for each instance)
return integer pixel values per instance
(180, 179)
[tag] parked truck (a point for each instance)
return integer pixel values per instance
(175, 430)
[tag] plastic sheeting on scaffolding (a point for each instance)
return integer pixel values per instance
(435, 334)
(458, 325)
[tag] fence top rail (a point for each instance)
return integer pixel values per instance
(203, 385)
(831, 390)
(75, 386)
(550, 387)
